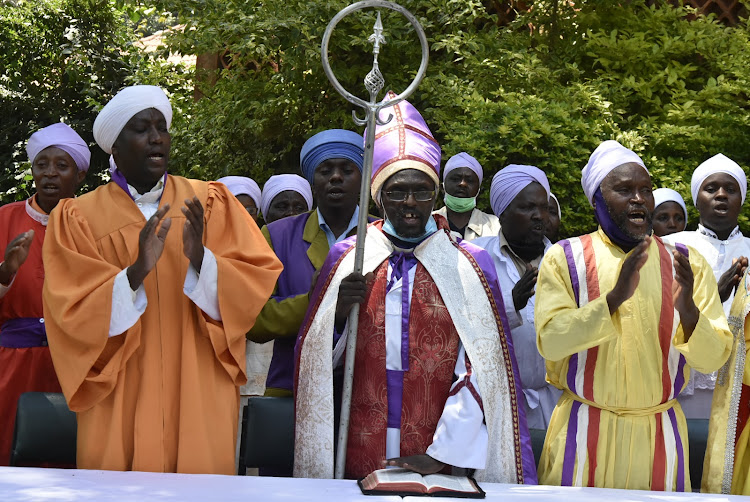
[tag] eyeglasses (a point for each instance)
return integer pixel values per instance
(402, 195)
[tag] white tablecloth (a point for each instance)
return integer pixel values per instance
(32, 484)
(527, 493)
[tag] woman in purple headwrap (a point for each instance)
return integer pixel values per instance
(59, 161)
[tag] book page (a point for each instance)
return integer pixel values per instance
(446, 482)
(394, 480)
(398, 476)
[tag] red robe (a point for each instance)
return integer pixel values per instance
(23, 369)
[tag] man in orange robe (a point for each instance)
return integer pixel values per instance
(151, 283)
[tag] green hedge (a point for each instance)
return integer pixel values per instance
(543, 90)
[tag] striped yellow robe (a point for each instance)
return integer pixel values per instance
(618, 424)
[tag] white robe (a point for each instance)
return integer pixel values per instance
(480, 224)
(696, 398)
(541, 396)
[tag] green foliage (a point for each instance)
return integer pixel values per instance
(544, 90)
(63, 60)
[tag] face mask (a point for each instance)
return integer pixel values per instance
(460, 204)
(430, 229)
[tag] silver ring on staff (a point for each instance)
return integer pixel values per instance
(372, 105)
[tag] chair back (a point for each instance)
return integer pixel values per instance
(45, 430)
(697, 429)
(267, 438)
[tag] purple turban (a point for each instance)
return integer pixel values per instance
(60, 136)
(120, 109)
(606, 158)
(240, 185)
(463, 159)
(331, 144)
(508, 183)
(403, 143)
(281, 183)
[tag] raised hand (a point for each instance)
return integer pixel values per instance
(729, 279)
(352, 290)
(524, 288)
(192, 232)
(423, 464)
(629, 276)
(15, 254)
(682, 294)
(150, 246)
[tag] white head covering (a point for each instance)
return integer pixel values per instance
(662, 195)
(240, 185)
(281, 183)
(126, 103)
(559, 210)
(61, 136)
(719, 163)
(508, 183)
(463, 159)
(607, 157)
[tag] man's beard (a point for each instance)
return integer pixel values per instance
(528, 250)
(621, 220)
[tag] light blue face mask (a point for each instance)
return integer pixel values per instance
(430, 229)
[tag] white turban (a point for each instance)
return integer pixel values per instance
(126, 103)
(508, 183)
(719, 163)
(606, 158)
(557, 202)
(240, 185)
(61, 136)
(662, 195)
(281, 183)
(463, 159)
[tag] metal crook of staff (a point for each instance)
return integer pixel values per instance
(374, 83)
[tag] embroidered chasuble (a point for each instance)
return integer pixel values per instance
(164, 395)
(618, 424)
(726, 467)
(426, 381)
(454, 306)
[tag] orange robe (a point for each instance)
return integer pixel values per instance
(164, 395)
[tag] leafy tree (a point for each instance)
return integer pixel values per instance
(62, 60)
(543, 88)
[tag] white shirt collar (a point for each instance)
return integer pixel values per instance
(36, 215)
(736, 234)
(151, 196)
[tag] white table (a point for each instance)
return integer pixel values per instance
(33, 484)
(528, 493)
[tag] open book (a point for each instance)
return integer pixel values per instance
(405, 482)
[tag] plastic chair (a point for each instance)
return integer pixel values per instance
(267, 439)
(697, 438)
(45, 430)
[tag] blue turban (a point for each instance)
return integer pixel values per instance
(331, 144)
(508, 183)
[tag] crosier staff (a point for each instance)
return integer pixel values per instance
(374, 83)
